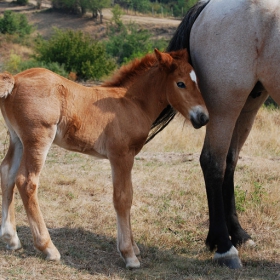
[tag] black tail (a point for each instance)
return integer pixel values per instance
(179, 41)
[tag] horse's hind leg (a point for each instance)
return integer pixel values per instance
(33, 158)
(9, 168)
(242, 129)
(121, 173)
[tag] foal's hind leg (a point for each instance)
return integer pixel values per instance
(27, 180)
(242, 129)
(121, 173)
(9, 168)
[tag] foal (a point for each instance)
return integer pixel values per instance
(111, 121)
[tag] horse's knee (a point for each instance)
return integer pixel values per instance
(205, 160)
(213, 167)
(231, 160)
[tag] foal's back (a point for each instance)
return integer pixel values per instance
(51, 108)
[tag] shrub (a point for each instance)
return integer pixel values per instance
(78, 52)
(15, 65)
(12, 23)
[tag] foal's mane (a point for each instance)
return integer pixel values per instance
(125, 76)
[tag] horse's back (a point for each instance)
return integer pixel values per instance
(232, 42)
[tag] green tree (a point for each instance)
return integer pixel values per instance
(96, 6)
(142, 6)
(127, 42)
(82, 6)
(67, 6)
(14, 23)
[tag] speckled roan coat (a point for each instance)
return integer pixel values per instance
(234, 47)
(110, 121)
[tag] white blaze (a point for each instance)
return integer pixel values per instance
(193, 76)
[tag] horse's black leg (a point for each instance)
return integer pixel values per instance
(224, 138)
(243, 126)
(213, 163)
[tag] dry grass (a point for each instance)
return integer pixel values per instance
(169, 214)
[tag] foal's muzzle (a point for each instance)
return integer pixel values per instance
(199, 116)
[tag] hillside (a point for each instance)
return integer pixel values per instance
(45, 19)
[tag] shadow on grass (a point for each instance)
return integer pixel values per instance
(97, 255)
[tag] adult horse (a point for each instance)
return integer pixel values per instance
(235, 50)
(110, 121)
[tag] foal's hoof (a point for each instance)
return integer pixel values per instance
(14, 247)
(230, 259)
(13, 243)
(250, 243)
(52, 254)
(132, 263)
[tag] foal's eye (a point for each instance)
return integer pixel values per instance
(181, 85)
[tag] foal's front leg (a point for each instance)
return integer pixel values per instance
(121, 173)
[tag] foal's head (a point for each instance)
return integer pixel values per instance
(182, 90)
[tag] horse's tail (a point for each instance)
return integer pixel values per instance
(7, 83)
(180, 40)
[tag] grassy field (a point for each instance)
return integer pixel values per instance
(169, 213)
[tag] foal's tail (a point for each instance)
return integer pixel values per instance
(7, 83)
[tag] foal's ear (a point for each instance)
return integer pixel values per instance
(185, 54)
(163, 58)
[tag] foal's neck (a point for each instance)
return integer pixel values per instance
(149, 92)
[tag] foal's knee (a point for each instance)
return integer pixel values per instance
(122, 200)
(27, 185)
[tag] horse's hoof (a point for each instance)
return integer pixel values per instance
(132, 263)
(230, 259)
(230, 262)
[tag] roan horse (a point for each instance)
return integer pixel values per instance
(110, 121)
(234, 46)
